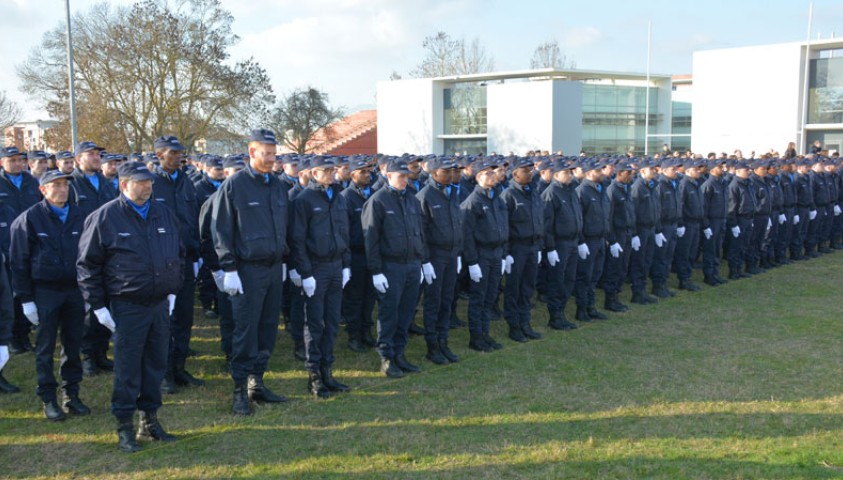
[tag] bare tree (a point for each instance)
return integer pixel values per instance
(158, 67)
(548, 55)
(9, 111)
(300, 114)
(447, 56)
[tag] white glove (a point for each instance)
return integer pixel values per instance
(796, 219)
(636, 243)
(736, 231)
(295, 277)
(503, 265)
(812, 214)
(380, 282)
(475, 273)
(283, 272)
(837, 211)
(616, 250)
(459, 265)
(4, 356)
(309, 286)
(507, 264)
(582, 251)
(769, 224)
(428, 274)
(660, 239)
(195, 269)
(346, 276)
(553, 258)
(171, 303)
(201, 262)
(231, 283)
(782, 218)
(708, 233)
(30, 311)
(104, 317)
(539, 257)
(219, 275)
(680, 232)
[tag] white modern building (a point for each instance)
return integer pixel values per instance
(554, 110)
(762, 97)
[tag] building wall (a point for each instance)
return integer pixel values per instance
(740, 102)
(365, 144)
(409, 117)
(520, 117)
(567, 117)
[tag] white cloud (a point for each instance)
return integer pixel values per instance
(582, 37)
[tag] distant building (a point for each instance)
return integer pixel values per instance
(28, 136)
(568, 110)
(356, 134)
(762, 97)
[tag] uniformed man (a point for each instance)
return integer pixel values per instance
(130, 256)
(393, 233)
(206, 184)
(175, 190)
(562, 228)
(621, 228)
(485, 238)
(18, 191)
(7, 316)
(647, 206)
(321, 256)
(761, 222)
(740, 214)
(249, 221)
(295, 319)
(805, 210)
(592, 243)
(38, 161)
(817, 220)
(89, 191)
(714, 193)
(440, 210)
(109, 166)
(688, 244)
(787, 182)
(526, 243)
(671, 212)
(358, 299)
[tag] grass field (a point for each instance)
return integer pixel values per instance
(739, 381)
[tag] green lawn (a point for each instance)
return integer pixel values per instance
(739, 381)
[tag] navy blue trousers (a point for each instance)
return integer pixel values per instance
(322, 316)
(58, 311)
(397, 306)
(439, 295)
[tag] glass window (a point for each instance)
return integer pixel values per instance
(465, 146)
(465, 109)
(825, 97)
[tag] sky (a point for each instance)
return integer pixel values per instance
(344, 47)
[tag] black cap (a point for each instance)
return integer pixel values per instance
(37, 155)
(136, 171)
(358, 164)
(441, 163)
(83, 147)
(398, 166)
(170, 142)
(10, 152)
(51, 176)
(262, 135)
(320, 161)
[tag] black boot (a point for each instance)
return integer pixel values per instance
(126, 436)
(168, 384)
(451, 356)
(529, 332)
(316, 387)
(259, 393)
(434, 353)
(405, 365)
(516, 334)
(5, 386)
(582, 314)
(89, 367)
(688, 285)
(662, 292)
(332, 383)
(149, 428)
(596, 315)
(355, 344)
(368, 339)
(613, 304)
(15, 346)
(558, 321)
(415, 329)
(74, 406)
(53, 412)
(298, 351)
(641, 298)
(241, 405)
(491, 342)
(455, 321)
(477, 342)
(390, 369)
(183, 378)
(102, 361)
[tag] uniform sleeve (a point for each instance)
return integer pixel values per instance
(90, 263)
(223, 225)
(20, 260)
(298, 237)
(345, 232)
(705, 193)
(206, 238)
(549, 220)
(611, 237)
(426, 219)
(732, 209)
(371, 218)
(469, 222)
(7, 314)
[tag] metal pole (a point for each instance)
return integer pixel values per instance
(647, 101)
(70, 77)
(806, 83)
